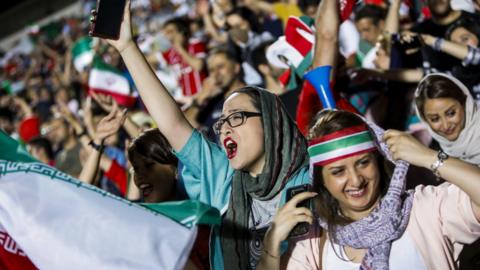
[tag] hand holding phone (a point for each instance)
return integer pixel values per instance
(289, 216)
(124, 38)
(302, 227)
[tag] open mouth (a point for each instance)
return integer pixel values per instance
(230, 147)
(358, 192)
(145, 189)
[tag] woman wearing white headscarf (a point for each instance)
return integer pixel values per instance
(452, 116)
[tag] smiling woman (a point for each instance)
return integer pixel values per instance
(449, 110)
(154, 166)
(371, 221)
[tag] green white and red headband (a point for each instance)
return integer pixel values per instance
(339, 145)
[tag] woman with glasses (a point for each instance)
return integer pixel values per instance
(261, 154)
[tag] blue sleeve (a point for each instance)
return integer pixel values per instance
(206, 172)
(319, 78)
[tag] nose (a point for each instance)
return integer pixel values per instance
(226, 129)
(444, 125)
(356, 178)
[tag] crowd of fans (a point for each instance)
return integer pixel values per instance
(203, 52)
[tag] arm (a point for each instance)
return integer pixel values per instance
(458, 172)
(400, 75)
(108, 126)
(160, 104)
(327, 24)
(285, 220)
(454, 49)
(392, 20)
(203, 9)
(23, 106)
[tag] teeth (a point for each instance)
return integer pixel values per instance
(356, 192)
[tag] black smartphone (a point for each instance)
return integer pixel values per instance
(303, 227)
(109, 17)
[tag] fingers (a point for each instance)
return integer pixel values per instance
(126, 12)
(300, 197)
(391, 133)
(302, 211)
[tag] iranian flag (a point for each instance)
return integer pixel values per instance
(82, 53)
(106, 79)
(49, 220)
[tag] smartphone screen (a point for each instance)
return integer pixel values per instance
(300, 228)
(109, 18)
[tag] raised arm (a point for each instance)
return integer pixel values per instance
(458, 172)
(161, 106)
(392, 21)
(108, 126)
(327, 24)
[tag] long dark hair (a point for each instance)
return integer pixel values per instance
(326, 206)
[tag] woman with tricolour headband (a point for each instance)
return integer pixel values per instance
(363, 217)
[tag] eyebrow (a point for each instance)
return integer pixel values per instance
(435, 114)
(336, 167)
(230, 112)
(362, 159)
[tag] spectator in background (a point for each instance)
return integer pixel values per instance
(225, 75)
(65, 145)
(270, 74)
(186, 55)
(370, 23)
(41, 149)
(462, 42)
(443, 16)
(245, 34)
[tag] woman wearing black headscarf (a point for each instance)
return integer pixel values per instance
(263, 153)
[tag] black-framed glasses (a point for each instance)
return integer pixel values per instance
(233, 120)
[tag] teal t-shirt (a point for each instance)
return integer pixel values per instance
(207, 176)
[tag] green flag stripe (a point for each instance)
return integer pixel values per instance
(82, 46)
(341, 143)
(12, 150)
(99, 64)
(187, 212)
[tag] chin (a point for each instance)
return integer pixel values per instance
(452, 137)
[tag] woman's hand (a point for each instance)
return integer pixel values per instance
(405, 147)
(106, 102)
(110, 124)
(285, 220)
(125, 39)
